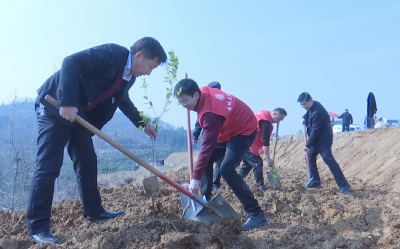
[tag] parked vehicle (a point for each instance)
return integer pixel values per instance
(337, 127)
(393, 122)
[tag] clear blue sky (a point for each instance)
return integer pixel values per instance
(264, 52)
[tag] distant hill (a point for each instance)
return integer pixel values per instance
(18, 134)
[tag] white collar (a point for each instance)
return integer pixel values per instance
(126, 75)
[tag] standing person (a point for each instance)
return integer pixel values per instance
(347, 120)
(371, 110)
(291, 137)
(319, 142)
(219, 145)
(223, 118)
(252, 158)
(92, 83)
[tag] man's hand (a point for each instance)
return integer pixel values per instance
(68, 112)
(150, 130)
(194, 141)
(194, 186)
(306, 149)
(270, 162)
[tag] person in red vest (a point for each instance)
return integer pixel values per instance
(221, 116)
(196, 134)
(252, 158)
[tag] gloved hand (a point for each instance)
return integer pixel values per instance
(194, 186)
(270, 162)
(186, 185)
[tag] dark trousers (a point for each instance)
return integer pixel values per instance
(345, 127)
(217, 172)
(205, 185)
(326, 154)
(233, 155)
(370, 122)
(52, 138)
(251, 161)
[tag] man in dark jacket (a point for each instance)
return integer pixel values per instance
(319, 142)
(347, 120)
(92, 83)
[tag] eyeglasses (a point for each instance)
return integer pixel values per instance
(184, 102)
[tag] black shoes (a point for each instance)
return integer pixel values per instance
(255, 222)
(44, 237)
(312, 184)
(105, 216)
(264, 189)
(345, 189)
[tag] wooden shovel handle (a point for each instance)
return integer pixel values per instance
(305, 142)
(189, 141)
(109, 140)
(276, 140)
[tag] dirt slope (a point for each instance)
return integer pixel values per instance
(368, 217)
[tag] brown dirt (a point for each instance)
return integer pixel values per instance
(367, 217)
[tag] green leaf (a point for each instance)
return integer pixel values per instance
(179, 91)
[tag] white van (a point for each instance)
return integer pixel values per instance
(337, 127)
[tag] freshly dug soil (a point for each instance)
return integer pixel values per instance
(367, 217)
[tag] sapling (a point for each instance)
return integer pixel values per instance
(171, 68)
(275, 177)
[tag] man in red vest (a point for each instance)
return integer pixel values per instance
(221, 116)
(252, 158)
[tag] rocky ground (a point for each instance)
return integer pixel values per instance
(367, 217)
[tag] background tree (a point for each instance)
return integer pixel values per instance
(18, 157)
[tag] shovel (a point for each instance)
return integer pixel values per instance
(191, 209)
(151, 184)
(206, 212)
(310, 178)
(273, 178)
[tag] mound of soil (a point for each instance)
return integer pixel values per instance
(367, 217)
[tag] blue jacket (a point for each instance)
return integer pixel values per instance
(319, 128)
(83, 78)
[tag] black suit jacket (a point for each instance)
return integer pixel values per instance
(83, 78)
(347, 118)
(319, 127)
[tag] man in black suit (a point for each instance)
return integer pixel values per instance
(92, 83)
(320, 139)
(347, 120)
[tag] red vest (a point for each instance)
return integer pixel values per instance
(257, 147)
(239, 118)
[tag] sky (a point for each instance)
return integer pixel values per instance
(264, 52)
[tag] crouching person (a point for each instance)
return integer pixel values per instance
(224, 118)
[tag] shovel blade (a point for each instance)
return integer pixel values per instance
(274, 185)
(217, 208)
(190, 207)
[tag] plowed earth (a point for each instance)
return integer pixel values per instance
(367, 217)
